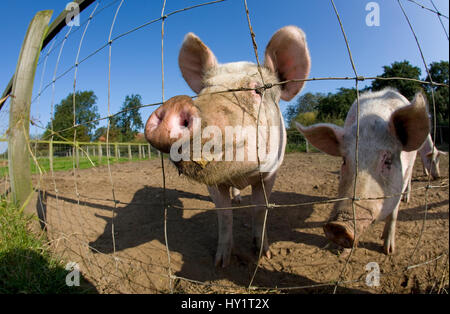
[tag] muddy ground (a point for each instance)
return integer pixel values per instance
(120, 246)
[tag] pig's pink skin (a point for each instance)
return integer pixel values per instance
(286, 58)
(391, 129)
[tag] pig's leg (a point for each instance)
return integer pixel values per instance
(236, 195)
(259, 214)
(409, 160)
(425, 170)
(221, 198)
(406, 195)
(389, 232)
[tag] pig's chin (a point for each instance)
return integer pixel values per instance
(193, 170)
(215, 172)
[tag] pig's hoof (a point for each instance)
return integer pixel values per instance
(405, 198)
(257, 245)
(339, 233)
(389, 246)
(223, 257)
(237, 199)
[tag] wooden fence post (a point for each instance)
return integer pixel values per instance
(129, 152)
(19, 114)
(100, 153)
(149, 151)
(77, 155)
(140, 152)
(50, 154)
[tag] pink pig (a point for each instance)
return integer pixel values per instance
(430, 158)
(391, 130)
(173, 126)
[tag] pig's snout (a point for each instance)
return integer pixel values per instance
(170, 122)
(340, 233)
(341, 230)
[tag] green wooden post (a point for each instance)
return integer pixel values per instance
(129, 152)
(116, 154)
(19, 114)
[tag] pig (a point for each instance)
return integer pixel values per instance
(391, 130)
(175, 124)
(430, 158)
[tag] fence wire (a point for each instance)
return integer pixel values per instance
(118, 267)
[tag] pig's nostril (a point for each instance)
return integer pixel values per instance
(185, 123)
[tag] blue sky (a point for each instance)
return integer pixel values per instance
(136, 58)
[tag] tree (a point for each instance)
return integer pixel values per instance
(334, 107)
(305, 103)
(63, 120)
(306, 118)
(125, 125)
(400, 69)
(439, 71)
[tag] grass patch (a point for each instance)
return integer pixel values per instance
(26, 264)
(299, 148)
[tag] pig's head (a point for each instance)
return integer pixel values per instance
(174, 125)
(389, 127)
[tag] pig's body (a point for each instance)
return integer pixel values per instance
(430, 158)
(175, 124)
(391, 129)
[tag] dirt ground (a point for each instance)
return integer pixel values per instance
(120, 246)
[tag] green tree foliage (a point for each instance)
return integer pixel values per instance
(307, 118)
(124, 126)
(85, 111)
(312, 108)
(400, 69)
(334, 107)
(305, 103)
(439, 73)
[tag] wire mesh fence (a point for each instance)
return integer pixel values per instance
(86, 211)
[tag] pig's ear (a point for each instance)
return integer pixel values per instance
(411, 124)
(324, 136)
(287, 55)
(195, 59)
